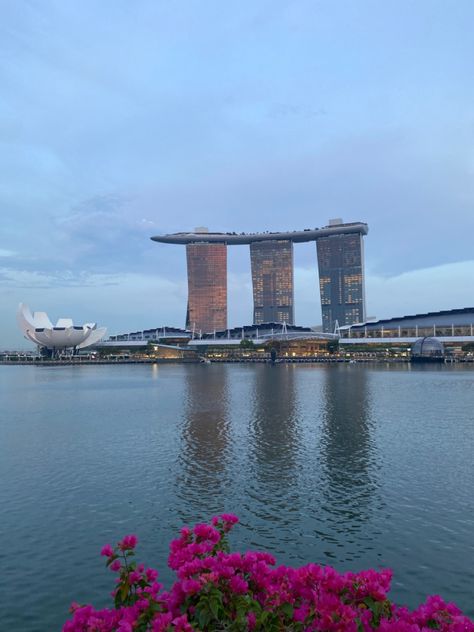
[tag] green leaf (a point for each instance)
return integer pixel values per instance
(287, 610)
(214, 606)
(124, 590)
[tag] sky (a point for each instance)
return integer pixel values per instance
(121, 120)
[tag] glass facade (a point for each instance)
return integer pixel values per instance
(341, 279)
(207, 287)
(427, 347)
(272, 280)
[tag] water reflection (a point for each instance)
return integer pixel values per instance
(349, 465)
(274, 445)
(349, 473)
(205, 442)
(274, 427)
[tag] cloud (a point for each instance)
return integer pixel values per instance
(429, 289)
(119, 122)
(129, 302)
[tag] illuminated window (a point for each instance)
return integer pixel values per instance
(341, 279)
(207, 287)
(272, 280)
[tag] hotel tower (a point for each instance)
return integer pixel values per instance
(340, 254)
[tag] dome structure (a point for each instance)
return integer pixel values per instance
(38, 328)
(427, 348)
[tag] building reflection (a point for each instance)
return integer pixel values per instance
(348, 457)
(275, 439)
(204, 441)
(272, 496)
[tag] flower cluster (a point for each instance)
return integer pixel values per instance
(246, 592)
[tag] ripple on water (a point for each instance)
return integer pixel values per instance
(347, 465)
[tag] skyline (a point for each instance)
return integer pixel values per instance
(121, 122)
(340, 260)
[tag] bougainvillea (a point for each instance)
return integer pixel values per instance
(219, 590)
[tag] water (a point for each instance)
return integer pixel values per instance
(349, 465)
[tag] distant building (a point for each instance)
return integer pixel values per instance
(453, 325)
(257, 342)
(272, 281)
(179, 336)
(340, 257)
(341, 279)
(207, 286)
(57, 338)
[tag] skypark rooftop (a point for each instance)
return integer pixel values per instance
(201, 235)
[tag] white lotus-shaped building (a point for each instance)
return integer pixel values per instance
(38, 328)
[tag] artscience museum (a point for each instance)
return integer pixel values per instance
(37, 328)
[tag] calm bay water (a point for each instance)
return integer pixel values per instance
(353, 466)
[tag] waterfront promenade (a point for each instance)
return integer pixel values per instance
(350, 359)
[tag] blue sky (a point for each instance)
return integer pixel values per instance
(120, 120)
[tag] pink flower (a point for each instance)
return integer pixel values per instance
(161, 621)
(227, 520)
(238, 585)
(107, 550)
(312, 597)
(230, 518)
(151, 574)
(301, 613)
(206, 532)
(251, 620)
(134, 577)
(181, 624)
(128, 542)
(190, 586)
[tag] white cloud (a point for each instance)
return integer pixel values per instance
(128, 302)
(430, 289)
(118, 124)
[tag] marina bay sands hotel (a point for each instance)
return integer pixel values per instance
(340, 252)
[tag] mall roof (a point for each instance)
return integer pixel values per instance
(460, 316)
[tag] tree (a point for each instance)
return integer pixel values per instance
(333, 346)
(245, 343)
